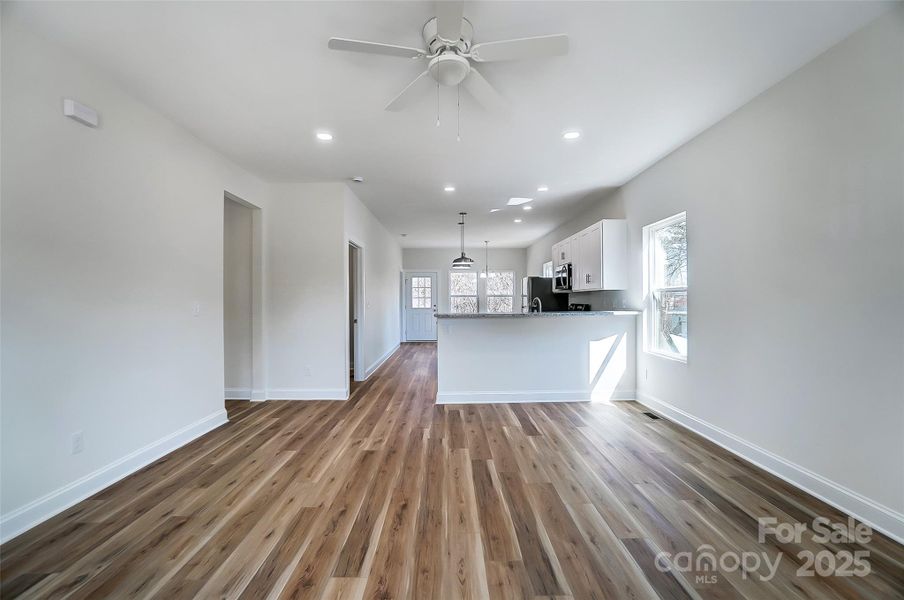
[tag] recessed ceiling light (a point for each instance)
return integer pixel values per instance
(449, 188)
(324, 136)
(495, 209)
(358, 179)
(518, 201)
(571, 135)
(543, 188)
(517, 220)
(528, 207)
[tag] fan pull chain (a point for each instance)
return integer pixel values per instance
(437, 104)
(458, 108)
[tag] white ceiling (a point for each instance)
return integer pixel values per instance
(256, 80)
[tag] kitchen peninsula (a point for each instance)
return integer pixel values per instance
(536, 357)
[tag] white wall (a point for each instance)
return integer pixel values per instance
(110, 237)
(795, 209)
(440, 260)
(306, 273)
(307, 228)
(237, 295)
(382, 265)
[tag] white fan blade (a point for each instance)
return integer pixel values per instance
(416, 88)
(483, 92)
(448, 19)
(375, 48)
(532, 47)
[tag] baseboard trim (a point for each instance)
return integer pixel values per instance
(238, 393)
(879, 517)
(24, 518)
(308, 394)
(379, 362)
(516, 397)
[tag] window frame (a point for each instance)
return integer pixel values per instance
(651, 291)
(475, 295)
(487, 295)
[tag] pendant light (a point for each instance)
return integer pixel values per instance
(462, 263)
(486, 260)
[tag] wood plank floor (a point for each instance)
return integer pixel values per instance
(389, 496)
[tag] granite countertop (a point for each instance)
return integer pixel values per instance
(540, 315)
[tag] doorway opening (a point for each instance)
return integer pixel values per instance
(242, 320)
(356, 368)
(419, 302)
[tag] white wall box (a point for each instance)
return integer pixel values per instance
(79, 112)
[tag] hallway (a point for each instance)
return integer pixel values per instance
(389, 496)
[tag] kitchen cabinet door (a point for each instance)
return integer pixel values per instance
(567, 250)
(590, 257)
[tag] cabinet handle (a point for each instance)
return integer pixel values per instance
(587, 278)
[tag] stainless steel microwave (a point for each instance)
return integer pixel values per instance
(561, 281)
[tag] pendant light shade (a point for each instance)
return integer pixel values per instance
(462, 263)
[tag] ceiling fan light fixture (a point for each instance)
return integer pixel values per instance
(449, 68)
(449, 52)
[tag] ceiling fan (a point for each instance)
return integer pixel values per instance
(449, 54)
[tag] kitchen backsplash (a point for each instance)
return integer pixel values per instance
(603, 300)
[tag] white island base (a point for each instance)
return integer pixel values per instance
(545, 357)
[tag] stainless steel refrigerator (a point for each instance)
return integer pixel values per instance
(541, 287)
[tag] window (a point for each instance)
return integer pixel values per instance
(421, 292)
(500, 289)
(547, 269)
(665, 249)
(463, 292)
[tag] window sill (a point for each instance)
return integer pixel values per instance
(672, 357)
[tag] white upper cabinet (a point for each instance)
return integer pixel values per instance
(598, 255)
(562, 252)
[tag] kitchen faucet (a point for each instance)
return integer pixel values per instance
(537, 304)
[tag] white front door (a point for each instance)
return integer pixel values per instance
(420, 304)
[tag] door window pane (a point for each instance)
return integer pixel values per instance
(421, 292)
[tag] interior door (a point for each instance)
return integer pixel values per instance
(420, 304)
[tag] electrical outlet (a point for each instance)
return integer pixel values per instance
(196, 309)
(78, 442)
